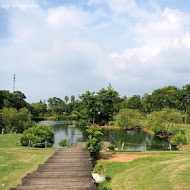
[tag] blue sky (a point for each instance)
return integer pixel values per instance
(66, 47)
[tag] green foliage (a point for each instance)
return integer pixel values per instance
(111, 147)
(108, 99)
(100, 169)
(81, 123)
(68, 117)
(66, 99)
(56, 105)
(162, 121)
(179, 139)
(134, 103)
(38, 134)
(38, 109)
(72, 98)
(91, 106)
(94, 143)
(128, 119)
(63, 142)
(16, 121)
(111, 123)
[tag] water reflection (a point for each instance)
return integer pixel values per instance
(64, 130)
(124, 139)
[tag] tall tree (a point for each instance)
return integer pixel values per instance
(56, 105)
(66, 99)
(134, 103)
(72, 98)
(107, 98)
(91, 105)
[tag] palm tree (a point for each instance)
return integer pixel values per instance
(72, 98)
(66, 99)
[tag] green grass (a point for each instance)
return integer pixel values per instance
(16, 161)
(161, 170)
(9, 140)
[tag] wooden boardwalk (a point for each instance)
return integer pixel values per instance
(68, 169)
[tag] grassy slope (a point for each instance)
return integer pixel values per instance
(162, 170)
(17, 161)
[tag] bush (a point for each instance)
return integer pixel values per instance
(94, 143)
(179, 139)
(36, 135)
(99, 168)
(63, 142)
(111, 147)
(111, 123)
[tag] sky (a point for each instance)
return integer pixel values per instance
(65, 47)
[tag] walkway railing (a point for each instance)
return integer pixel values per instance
(125, 146)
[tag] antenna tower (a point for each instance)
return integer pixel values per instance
(14, 76)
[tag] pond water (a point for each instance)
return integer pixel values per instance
(127, 140)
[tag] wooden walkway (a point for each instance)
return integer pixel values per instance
(69, 168)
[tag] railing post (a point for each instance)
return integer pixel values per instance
(145, 146)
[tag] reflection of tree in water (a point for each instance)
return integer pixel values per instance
(134, 139)
(79, 134)
(64, 130)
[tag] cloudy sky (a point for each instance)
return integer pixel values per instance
(65, 47)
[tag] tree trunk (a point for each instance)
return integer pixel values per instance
(93, 119)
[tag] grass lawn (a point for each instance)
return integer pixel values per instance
(160, 170)
(17, 161)
(168, 170)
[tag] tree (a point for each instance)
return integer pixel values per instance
(72, 99)
(129, 119)
(4, 97)
(17, 100)
(90, 106)
(66, 99)
(38, 109)
(107, 99)
(56, 105)
(163, 98)
(147, 103)
(162, 121)
(16, 121)
(134, 103)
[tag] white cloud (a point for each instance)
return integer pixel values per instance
(68, 49)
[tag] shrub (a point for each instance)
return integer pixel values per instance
(99, 168)
(179, 139)
(37, 134)
(63, 142)
(111, 147)
(94, 143)
(111, 123)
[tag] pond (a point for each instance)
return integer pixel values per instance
(126, 140)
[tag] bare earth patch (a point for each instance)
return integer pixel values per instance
(109, 157)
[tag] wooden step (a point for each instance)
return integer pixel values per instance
(68, 169)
